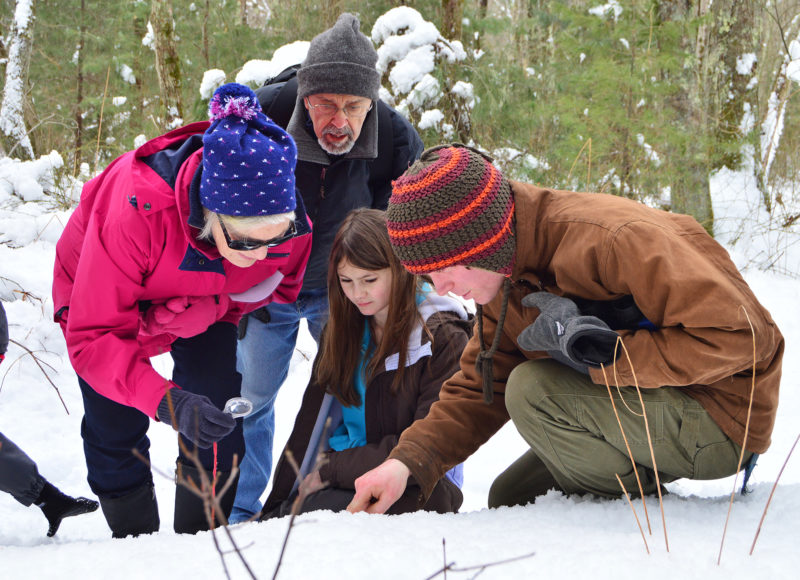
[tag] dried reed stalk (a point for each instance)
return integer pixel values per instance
(647, 430)
(744, 442)
(627, 447)
(633, 509)
(771, 493)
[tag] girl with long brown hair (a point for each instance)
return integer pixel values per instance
(389, 344)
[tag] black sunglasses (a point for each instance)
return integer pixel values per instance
(249, 245)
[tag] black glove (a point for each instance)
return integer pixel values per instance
(3, 333)
(560, 330)
(57, 505)
(196, 417)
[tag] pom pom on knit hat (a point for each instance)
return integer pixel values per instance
(340, 60)
(248, 161)
(452, 208)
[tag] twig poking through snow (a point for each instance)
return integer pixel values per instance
(301, 493)
(41, 368)
(479, 567)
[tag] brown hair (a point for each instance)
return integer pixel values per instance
(363, 241)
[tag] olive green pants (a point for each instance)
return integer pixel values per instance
(576, 442)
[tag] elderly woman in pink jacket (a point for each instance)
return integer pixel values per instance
(167, 249)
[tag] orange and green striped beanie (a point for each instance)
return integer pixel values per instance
(452, 208)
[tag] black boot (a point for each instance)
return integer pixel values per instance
(190, 515)
(132, 514)
(57, 506)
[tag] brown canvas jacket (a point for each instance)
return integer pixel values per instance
(386, 415)
(601, 247)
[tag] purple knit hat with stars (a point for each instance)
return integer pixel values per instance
(248, 161)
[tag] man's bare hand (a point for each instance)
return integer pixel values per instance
(379, 488)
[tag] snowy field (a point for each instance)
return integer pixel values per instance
(563, 537)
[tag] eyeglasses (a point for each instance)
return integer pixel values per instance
(250, 245)
(351, 110)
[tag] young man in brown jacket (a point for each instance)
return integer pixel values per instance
(557, 277)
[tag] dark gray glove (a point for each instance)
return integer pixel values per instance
(566, 335)
(3, 333)
(196, 417)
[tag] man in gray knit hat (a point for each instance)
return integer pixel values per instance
(350, 146)
(339, 74)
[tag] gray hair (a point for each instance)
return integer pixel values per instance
(241, 223)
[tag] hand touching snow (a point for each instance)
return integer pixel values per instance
(379, 488)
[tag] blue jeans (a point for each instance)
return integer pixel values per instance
(264, 355)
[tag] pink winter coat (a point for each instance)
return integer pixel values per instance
(129, 244)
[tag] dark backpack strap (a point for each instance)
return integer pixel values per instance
(288, 73)
(282, 105)
(277, 101)
(278, 95)
(381, 170)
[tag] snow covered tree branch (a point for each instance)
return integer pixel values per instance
(14, 139)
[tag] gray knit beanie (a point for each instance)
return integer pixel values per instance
(340, 60)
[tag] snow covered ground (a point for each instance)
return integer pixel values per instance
(563, 537)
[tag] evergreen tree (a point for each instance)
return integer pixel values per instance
(168, 64)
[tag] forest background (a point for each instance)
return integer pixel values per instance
(641, 98)
(660, 101)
